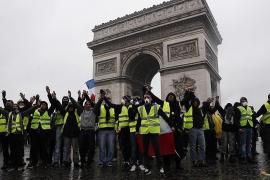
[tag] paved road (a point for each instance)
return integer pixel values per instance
(224, 171)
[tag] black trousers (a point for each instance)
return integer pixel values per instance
(153, 139)
(87, 144)
(40, 145)
(265, 134)
(5, 147)
(211, 144)
(124, 143)
(16, 149)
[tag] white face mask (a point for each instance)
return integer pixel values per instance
(123, 101)
(147, 100)
(137, 103)
(131, 101)
(245, 103)
(21, 107)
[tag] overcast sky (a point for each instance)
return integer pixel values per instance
(43, 42)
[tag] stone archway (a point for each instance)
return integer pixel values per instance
(178, 38)
(140, 69)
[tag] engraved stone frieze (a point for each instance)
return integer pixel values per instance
(155, 48)
(106, 67)
(174, 10)
(183, 50)
(182, 84)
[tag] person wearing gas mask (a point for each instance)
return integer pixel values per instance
(134, 124)
(150, 129)
(265, 125)
(122, 127)
(172, 109)
(193, 126)
(106, 129)
(70, 131)
(40, 132)
(243, 116)
(57, 155)
(87, 133)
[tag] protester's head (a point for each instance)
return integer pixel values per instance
(195, 103)
(244, 101)
(65, 101)
(21, 105)
(43, 106)
(147, 99)
(15, 108)
(70, 107)
(171, 97)
(228, 105)
(125, 100)
(9, 105)
(236, 104)
(87, 106)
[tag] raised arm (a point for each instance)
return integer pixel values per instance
(76, 104)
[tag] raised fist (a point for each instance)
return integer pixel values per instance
(48, 89)
(4, 94)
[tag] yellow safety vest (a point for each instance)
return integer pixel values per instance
(59, 120)
(102, 122)
(150, 123)
(206, 123)
(44, 120)
(15, 125)
(123, 117)
(77, 118)
(246, 116)
(266, 117)
(166, 108)
(3, 123)
(133, 123)
(188, 119)
(25, 122)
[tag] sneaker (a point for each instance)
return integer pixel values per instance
(114, 159)
(147, 172)
(141, 167)
(133, 168)
(161, 171)
(109, 164)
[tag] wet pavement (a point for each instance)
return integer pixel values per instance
(220, 171)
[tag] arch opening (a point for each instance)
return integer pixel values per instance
(139, 71)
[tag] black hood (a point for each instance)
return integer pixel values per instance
(172, 95)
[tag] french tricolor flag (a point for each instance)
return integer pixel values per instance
(91, 88)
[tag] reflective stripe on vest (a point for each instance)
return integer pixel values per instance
(266, 117)
(77, 118)
(150, 123)
(123, 117)
(3, 123)
(15, 125)
(166, 108)
(188, 119)
(102, 122)
(44, 120)
(246, 116)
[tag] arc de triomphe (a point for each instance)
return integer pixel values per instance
(177, 38)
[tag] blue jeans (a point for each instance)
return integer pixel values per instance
(58, 144)
(68, 143)
(135, 154)
(196, 137)
(245, 140)
(106, 145)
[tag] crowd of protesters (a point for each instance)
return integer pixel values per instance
(66, 134)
